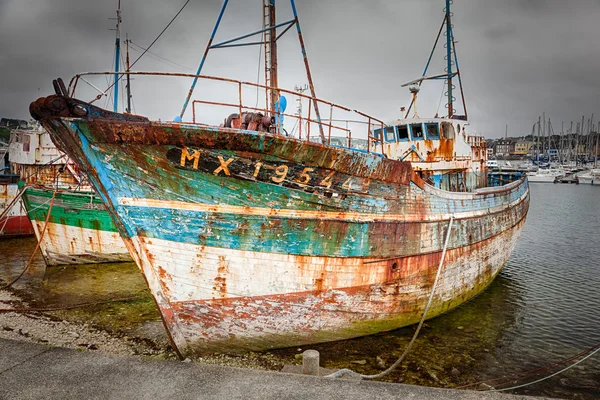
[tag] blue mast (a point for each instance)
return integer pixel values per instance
(449, 57)
(117, 55)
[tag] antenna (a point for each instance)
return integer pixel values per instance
(300, 90)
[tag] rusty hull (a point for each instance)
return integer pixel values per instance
(250, 240)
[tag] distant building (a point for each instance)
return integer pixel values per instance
(13, 123)
(522, 147)
(505, 147)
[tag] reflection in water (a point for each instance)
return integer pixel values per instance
(541, 309)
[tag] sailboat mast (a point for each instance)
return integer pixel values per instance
(537, 143)
(117, 56)
(271, 56)
(449, 57)
(597, 134)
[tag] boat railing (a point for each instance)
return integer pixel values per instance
(305, 127)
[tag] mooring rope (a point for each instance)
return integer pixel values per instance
(36, 247)
(547, 377)
(531, 372)
(345, 371)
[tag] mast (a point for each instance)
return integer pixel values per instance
(597, 134)
(544, 136)
(537, 142)
(271, 53)
(128, 80)
(117, 55)
(449, 57)
(580, 131)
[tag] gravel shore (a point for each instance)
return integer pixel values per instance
(39, 327)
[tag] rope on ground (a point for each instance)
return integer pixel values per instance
(344, 372)
(547, 377)
(36, 247)
(28, 310)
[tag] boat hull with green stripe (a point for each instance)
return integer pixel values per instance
(79, 229)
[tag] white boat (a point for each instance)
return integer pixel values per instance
(591, 177)
(545, 175)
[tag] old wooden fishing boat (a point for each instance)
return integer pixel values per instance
(79, 229)
(13, 216)
(250, 238)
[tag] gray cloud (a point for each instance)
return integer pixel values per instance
(518, 58)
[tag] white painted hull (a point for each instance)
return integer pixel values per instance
(588, 180)
(64, 244)
(232, 300)
(541, 179)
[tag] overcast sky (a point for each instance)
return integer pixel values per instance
(518, 58)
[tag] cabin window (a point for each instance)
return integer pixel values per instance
(447, 130)
(416, 131)
(433, 131)
(26, 141)
(402, 133)
(377, 133)
(389, 134)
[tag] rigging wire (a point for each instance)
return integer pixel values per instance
(145, 51)
(139, 48)
(260, 51)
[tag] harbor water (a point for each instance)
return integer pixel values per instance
(543, 308)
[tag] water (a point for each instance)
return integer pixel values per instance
(544, 307)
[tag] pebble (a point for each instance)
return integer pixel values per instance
(359, 362)
(484, 386)
(380, 362)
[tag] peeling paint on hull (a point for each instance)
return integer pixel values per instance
(253, 241)
(79, 231)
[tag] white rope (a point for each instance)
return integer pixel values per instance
(343, 372)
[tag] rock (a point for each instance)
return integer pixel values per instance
(455, 371)
(433, 376)
(187, 360)
(380, 362)
(460, 328)
(359, 362)
(484, 386)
